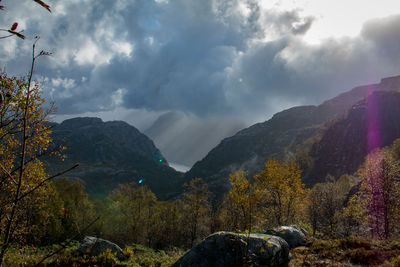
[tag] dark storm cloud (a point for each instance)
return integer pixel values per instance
(203, 57)
(184, 61)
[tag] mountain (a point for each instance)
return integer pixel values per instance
(112, 153)
(279, 138)
(371, 123)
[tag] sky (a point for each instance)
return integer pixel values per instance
(235, 62)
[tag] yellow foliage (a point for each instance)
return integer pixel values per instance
(243, 201)
(380, 189)
(24, 137)
(282, 191)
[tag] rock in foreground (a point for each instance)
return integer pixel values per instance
(293, 235)
(94, 246)
(232, 249)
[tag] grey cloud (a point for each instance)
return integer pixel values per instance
(290, 72)
(206, 57)
(288, 22)
(189, 70)
(303, 26)
(383, 36)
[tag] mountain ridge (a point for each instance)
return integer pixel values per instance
(112, 153)
(345, 144)
(278, 137)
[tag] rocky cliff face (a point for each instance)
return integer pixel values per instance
(277, 138)
(371, 123)
(112, 153)
(249, 148)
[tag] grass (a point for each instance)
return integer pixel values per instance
(338, 252)
(30, 255)
(144, 256)
(135, 255)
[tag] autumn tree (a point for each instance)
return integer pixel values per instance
(282, 191)
(195, 210)
(24, 139)
(29, 204)
(333, 197)
(395, 150)
(381, 191)
(313, 209)
(241, 202)
(130, 214)
(325, 202)
(77, 210)
(352, 219)
(166, 224)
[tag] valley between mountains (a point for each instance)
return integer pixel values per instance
(327, 139)
(311, 186)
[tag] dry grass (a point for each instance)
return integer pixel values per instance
(347, 252)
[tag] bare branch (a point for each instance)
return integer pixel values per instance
(46, 180)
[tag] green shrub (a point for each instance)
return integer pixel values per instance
(322, 245)
(145, 256)
(392, 245)
(395, 262)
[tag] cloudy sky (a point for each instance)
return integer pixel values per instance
(212, 60)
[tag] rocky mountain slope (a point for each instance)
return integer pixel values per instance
(279, 137)
(371, 123)
(112, 153)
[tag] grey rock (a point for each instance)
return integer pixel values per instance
(295, 236)
(233, 249)
(95, 246)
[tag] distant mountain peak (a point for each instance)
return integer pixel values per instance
(111, 153)
(79, 122)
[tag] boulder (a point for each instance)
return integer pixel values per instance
(94, 246)
(293, 235)
(233, 249)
